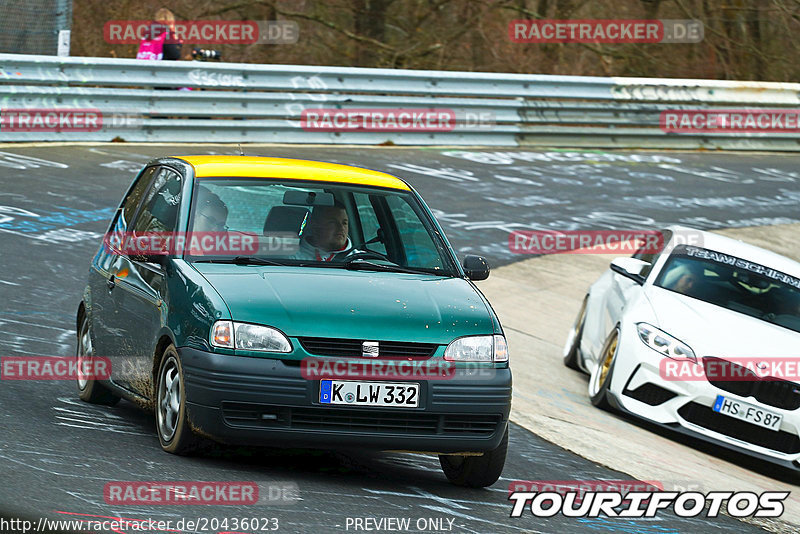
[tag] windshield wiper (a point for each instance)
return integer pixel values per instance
(243, 260)
(365, 265)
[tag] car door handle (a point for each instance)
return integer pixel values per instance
(111, 283)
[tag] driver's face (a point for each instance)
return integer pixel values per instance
(331, 228)
(685, 283)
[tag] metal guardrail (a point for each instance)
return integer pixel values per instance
(263, 103)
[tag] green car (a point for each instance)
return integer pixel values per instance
(264, 301)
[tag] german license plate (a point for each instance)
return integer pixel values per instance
(747, 412)
(368, 393)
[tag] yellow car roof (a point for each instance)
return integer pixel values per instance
(293, 169)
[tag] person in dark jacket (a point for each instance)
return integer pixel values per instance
(172, 45)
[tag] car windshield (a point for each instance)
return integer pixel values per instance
(291, 222)
(733, 283)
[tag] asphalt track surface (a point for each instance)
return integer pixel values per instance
(57, 453)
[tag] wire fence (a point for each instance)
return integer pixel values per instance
(33, 26)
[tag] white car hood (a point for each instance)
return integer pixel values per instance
(715, 331)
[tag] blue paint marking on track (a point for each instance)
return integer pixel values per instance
(57, 219)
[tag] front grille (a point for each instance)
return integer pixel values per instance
(705, 417)
(650, 394)
(351, 420)
(770, 391)
(324, 346)
(778, 393)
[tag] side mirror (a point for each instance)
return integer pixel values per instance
(630, 268)
(476, 267)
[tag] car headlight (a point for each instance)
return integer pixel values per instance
(660, 341)
(477, 349)
(229, 334)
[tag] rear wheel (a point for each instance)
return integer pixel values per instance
(573, 344)
(90, 390)
(171, 421)
(600, 380)
(476, 471)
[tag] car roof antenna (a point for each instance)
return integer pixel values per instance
(241, 152)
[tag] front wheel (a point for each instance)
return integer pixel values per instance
(171, 421)
(90, 390)
(600, 380)
(476, 471)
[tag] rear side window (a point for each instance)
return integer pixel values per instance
(159, 211)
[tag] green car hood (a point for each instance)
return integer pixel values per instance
(330, 302)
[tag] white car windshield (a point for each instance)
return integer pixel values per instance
(734, 283)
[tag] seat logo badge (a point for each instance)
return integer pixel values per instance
(369, 349)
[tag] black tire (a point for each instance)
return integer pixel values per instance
(172, 424)
(90, 390)
(599, 380)
(572, 349)
(476, 471)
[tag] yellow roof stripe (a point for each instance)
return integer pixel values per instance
(293, 169)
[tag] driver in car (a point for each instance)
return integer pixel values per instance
(684, 278)
(212, 213)
(326, 234)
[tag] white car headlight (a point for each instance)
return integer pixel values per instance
(477, 349)
(229, 334)
(660, 341)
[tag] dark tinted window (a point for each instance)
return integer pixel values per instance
(135, 196)
(646, 254)
(733, 283)
(159, 211)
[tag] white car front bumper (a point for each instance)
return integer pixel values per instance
(638, 387)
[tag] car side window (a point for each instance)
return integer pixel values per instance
(159, 211)
(651, 257)
(134, 198)
(369, 222)
(419, 248)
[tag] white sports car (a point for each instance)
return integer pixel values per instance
(717, 309)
